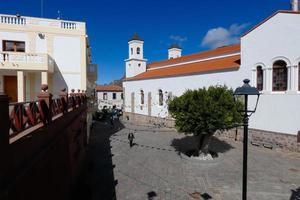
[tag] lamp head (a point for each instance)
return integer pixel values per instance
(246, 89)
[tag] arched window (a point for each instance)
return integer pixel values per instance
(131, 51)
(160, 98)
(142, 97)
(259, 78)
(138, 50)
(279, 76)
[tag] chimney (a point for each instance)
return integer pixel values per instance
(295, 5)
(174, 51)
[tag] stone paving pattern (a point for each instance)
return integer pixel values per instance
(153, 169)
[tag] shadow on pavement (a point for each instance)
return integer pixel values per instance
(188, 145)
(99, 181)
(295, 194)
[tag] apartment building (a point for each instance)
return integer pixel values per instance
(35, 51)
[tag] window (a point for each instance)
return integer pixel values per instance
(139, 64)
(279, 76)
(114, 95)
(138, 50)
(14, 46)
(160, 98)
(105, 96)
(259, 78)
(142, 97)
(131, 51)
(122, 97)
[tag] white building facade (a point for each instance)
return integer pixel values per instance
(109, 96)
(35, 51)
(268, 55)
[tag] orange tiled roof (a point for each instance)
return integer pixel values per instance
(109, 88)
(205, 54)
(218, 64)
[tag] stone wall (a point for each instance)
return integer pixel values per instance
(267, 139)
(149, 120)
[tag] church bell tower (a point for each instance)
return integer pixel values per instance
(135, 64)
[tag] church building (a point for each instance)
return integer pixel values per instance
(268, 55)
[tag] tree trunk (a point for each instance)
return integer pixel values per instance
(204, 143)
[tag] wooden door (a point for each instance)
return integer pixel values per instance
(11, 87)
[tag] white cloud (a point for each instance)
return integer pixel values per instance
(178, 38)
(220, 36)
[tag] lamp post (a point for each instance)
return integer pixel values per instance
(245, 91)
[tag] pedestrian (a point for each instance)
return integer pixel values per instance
(130, 138)
(113, 116)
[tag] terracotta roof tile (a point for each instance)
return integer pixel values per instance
(205, 54)
(219, 64)
(109, 88)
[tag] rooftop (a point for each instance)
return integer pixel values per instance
(218, 64)
(136, 37)
(109, 88)
(201, 55)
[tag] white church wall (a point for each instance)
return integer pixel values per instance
(278, 38)
(177, 86)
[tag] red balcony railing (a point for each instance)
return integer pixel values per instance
(26, 115)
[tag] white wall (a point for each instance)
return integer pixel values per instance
(174, 53)
(41, 44)
(278, 38)
(109, 102)
(5, 35)
(177, 85)
(67, 54)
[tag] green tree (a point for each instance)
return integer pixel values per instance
(204, 111)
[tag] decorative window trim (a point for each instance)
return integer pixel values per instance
(260, 76)
(275, 87)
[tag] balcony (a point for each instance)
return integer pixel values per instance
(26, 61)
(38, 24)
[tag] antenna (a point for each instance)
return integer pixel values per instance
(58, 14)
(42, 8)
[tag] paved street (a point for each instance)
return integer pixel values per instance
(154, 169)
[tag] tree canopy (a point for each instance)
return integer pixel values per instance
(206, 110)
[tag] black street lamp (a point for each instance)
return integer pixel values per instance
(245, 91)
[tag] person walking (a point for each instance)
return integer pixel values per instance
(130, 138)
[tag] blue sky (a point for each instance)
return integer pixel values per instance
(194, 24)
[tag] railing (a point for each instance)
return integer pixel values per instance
(26, 60)
(41, 22)
(68, 25)
(26, 115)
(21, 57)
(13, 20)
